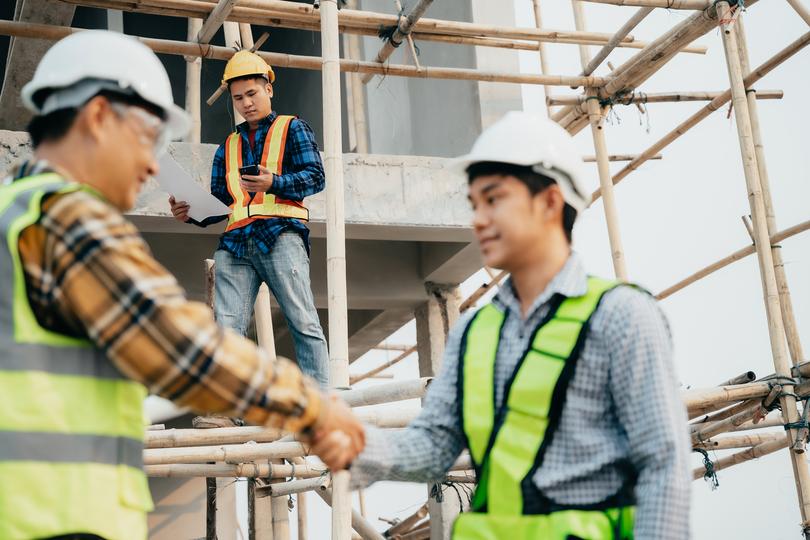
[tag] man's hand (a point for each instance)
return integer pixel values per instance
(338, 435)
(257, 184)
(179, 209)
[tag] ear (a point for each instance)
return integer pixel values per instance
(269, 88)
(554, 202)
(94, 118)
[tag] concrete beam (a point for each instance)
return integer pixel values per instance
(24, 54)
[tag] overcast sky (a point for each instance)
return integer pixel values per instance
(676, 216)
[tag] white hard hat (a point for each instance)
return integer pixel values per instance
(528, 140)
(93, 60)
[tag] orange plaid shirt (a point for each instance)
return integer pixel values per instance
(90, 274)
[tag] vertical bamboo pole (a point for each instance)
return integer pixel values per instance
(301, 500)
(210, 483)
(357, 90)
(764, 256)
(233, 38)
(788, 316)
(579, 24)
(597, 119)
(193, 71)
(541, 48)
(335, 244)
(246, 35)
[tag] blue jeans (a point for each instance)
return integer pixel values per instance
(285, 270)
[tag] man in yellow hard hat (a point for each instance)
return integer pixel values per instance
(89, 320)
(263, 171)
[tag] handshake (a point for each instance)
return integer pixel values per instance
(337, 436)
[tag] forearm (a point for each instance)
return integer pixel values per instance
(300, 184)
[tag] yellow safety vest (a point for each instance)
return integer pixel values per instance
(247, 207)
(507, 446)
(72, 426)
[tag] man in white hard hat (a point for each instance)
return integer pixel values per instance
(89, 320)
(266, 239)
(562, 387)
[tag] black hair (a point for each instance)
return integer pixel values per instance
(248, 78)
(55, 125)
(533, 180)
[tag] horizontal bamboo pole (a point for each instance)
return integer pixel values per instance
(711, 429)
(725, 261)
(172, 438)
(396, 418)
(617, 157)
(742, 378)
(285, 489)
(703, 397)
(724, 413)
(755, 75)
(660, 97)
(746, 455)
(668, 4)
(43, 31)
(230, 453)
(774, 420)
(259, 469)
(386, 392)
(354, 379)
(739, 441)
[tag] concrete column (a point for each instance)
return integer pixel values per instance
(434, 319)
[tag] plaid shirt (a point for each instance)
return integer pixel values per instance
(90, 274)
(622, 406)
(302, 175)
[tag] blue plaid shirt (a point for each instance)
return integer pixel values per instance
(302, 175)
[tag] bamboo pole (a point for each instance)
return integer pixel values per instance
(215, 20)
(229, 453)
(358, 93)
(164, 46)
(746, 455)
(301, 512)
(357, 378)
(776, 329)
(408, 523)
(704, 397)
(172, 438)
(193, 72)
(579, 24)
(712, 106)
(403, 30)
(255, 469)
(742, 378)
(386, 392)
(620, 34)
(617, 157)
(481, 291)
(358, 523)
(725, 261)
(715, 428)
(541, 49)
(725, 413)
(597, 118)
(660, 97)
(788, 317)
(803, 12)
(668, 4)
(739, 441)
(285, 489)
(774, 421)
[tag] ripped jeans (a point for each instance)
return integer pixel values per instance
(285, 270)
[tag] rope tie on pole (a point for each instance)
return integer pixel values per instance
(710, 475)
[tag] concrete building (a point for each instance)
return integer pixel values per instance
(407, 219)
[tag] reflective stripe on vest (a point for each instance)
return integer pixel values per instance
(69, 417)
(245, 209)
(508, 445)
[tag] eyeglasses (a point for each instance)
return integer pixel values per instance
(151, 131)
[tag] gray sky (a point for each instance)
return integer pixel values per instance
(676, 216)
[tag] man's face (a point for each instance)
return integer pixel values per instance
(127, 152)
(508, 221)
(251, 98)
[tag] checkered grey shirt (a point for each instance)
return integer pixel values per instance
(622, 404)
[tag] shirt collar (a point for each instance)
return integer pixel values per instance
(570, 281)
(263, 123)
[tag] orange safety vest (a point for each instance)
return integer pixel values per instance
(246, 208)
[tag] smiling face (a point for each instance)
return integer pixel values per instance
(251, 98)
(514, 227)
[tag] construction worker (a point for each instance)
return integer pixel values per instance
(266, 239)
(562, 387)
(89, 321)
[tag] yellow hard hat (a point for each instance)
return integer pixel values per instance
(247, 63)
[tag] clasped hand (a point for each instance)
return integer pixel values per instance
(338, 436)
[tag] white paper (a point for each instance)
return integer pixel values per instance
(175, 181)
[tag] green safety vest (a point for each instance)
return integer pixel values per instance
(72, 426)
(507, 445)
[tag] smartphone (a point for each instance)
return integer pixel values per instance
(250, 170)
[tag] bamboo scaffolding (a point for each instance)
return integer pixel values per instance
(165, 46)
(257, 469)
(725, 261)
(725, 413)
(746, 455)
(620, 34)
(739, 441)
(776, 330)
(403, 30)
(215, 20)
(712, 106)
(785, 302)
(660, 97)
(773, 421)
(541, 49)
(704, 397)
(386, 392)
(715, 428)
(668, 4)
(228, 453)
